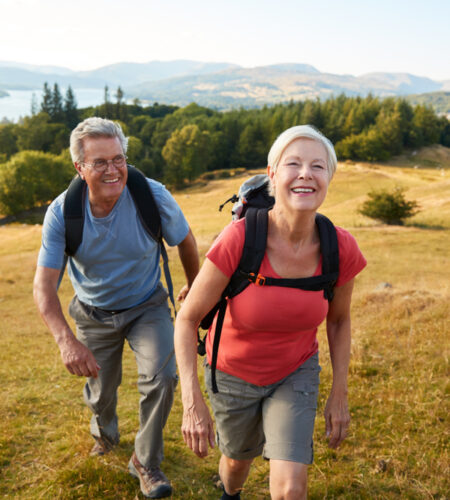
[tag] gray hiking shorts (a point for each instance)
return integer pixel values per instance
(275, 420)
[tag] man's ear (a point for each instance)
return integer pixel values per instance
(78, 169)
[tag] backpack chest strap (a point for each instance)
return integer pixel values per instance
(313, 283)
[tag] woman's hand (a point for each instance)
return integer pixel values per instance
(198, 428)
(337, 418)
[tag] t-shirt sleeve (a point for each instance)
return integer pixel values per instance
(174, 224)
(51, 253)
(226, 251)
(351, 259)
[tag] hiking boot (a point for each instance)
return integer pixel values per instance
(101, 447)
(154, 484)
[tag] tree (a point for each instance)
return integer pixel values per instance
(121, 107)
(134, 150)
(253, 145)
(39, 134)
(389, 127)
(71, 117)
(426, 127)
(46, 104)
(119, 96)
(106, 109)
(186, 154)
(56, 109)
(8, 140)
(34, 104)
(389, 207)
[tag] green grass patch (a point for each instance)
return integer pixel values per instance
(398, 385)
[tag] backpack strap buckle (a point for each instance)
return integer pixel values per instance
(257, 279)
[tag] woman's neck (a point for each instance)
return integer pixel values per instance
(294, 227)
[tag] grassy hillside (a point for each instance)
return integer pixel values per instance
(398, 442)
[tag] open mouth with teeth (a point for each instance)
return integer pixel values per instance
(111, 181)
(303, 190)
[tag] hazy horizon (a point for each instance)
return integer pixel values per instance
(349, 37)
(5, 62)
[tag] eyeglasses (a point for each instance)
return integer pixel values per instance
(101, 165)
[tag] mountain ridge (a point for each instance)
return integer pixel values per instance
(221, 85)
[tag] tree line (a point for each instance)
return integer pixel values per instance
(175, 145)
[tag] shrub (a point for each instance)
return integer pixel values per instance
(389, 207)
(32, 178)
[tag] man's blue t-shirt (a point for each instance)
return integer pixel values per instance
(117, 263)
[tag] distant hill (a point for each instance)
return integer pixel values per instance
(57, 70)
(126, 74)
(3, 93)
(218, 85)
(17, 76)
(440, 101)
(272, 84)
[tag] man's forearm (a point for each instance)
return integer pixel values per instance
(188, 253)
(50, 310)
(48, 304)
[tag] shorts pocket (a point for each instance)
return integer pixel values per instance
(307, 391)
(230, 387)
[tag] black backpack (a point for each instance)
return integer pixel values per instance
(146, 208)
(253, 203)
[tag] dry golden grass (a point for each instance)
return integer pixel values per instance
(398, 444)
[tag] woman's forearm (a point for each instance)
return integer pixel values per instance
(339, 341)
(186, 354)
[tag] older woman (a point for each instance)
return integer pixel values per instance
(267, 367)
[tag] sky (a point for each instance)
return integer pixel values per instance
(342, 37)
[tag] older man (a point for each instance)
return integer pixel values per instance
(116, 277)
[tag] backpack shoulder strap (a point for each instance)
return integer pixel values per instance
(148, 212)
(145, 202)
(74, 214)
(256, 222)
(329, 248)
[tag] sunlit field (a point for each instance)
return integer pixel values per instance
(399, 436)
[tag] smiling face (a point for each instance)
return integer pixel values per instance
(301, 178)
(104, 187)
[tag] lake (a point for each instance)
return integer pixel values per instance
(18, 103)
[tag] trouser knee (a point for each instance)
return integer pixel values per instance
(163, 382)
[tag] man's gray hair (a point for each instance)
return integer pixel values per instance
(94, 127)
(299, 132)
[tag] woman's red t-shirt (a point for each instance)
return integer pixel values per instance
(269, 331)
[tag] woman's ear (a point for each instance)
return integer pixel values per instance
(271, 175)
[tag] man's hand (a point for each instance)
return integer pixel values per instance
(78, 359)
(182, 294)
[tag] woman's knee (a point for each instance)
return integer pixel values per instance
(288, 482)
(289, 491)
(236, 466)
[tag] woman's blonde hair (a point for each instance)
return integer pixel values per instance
(299, 132)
